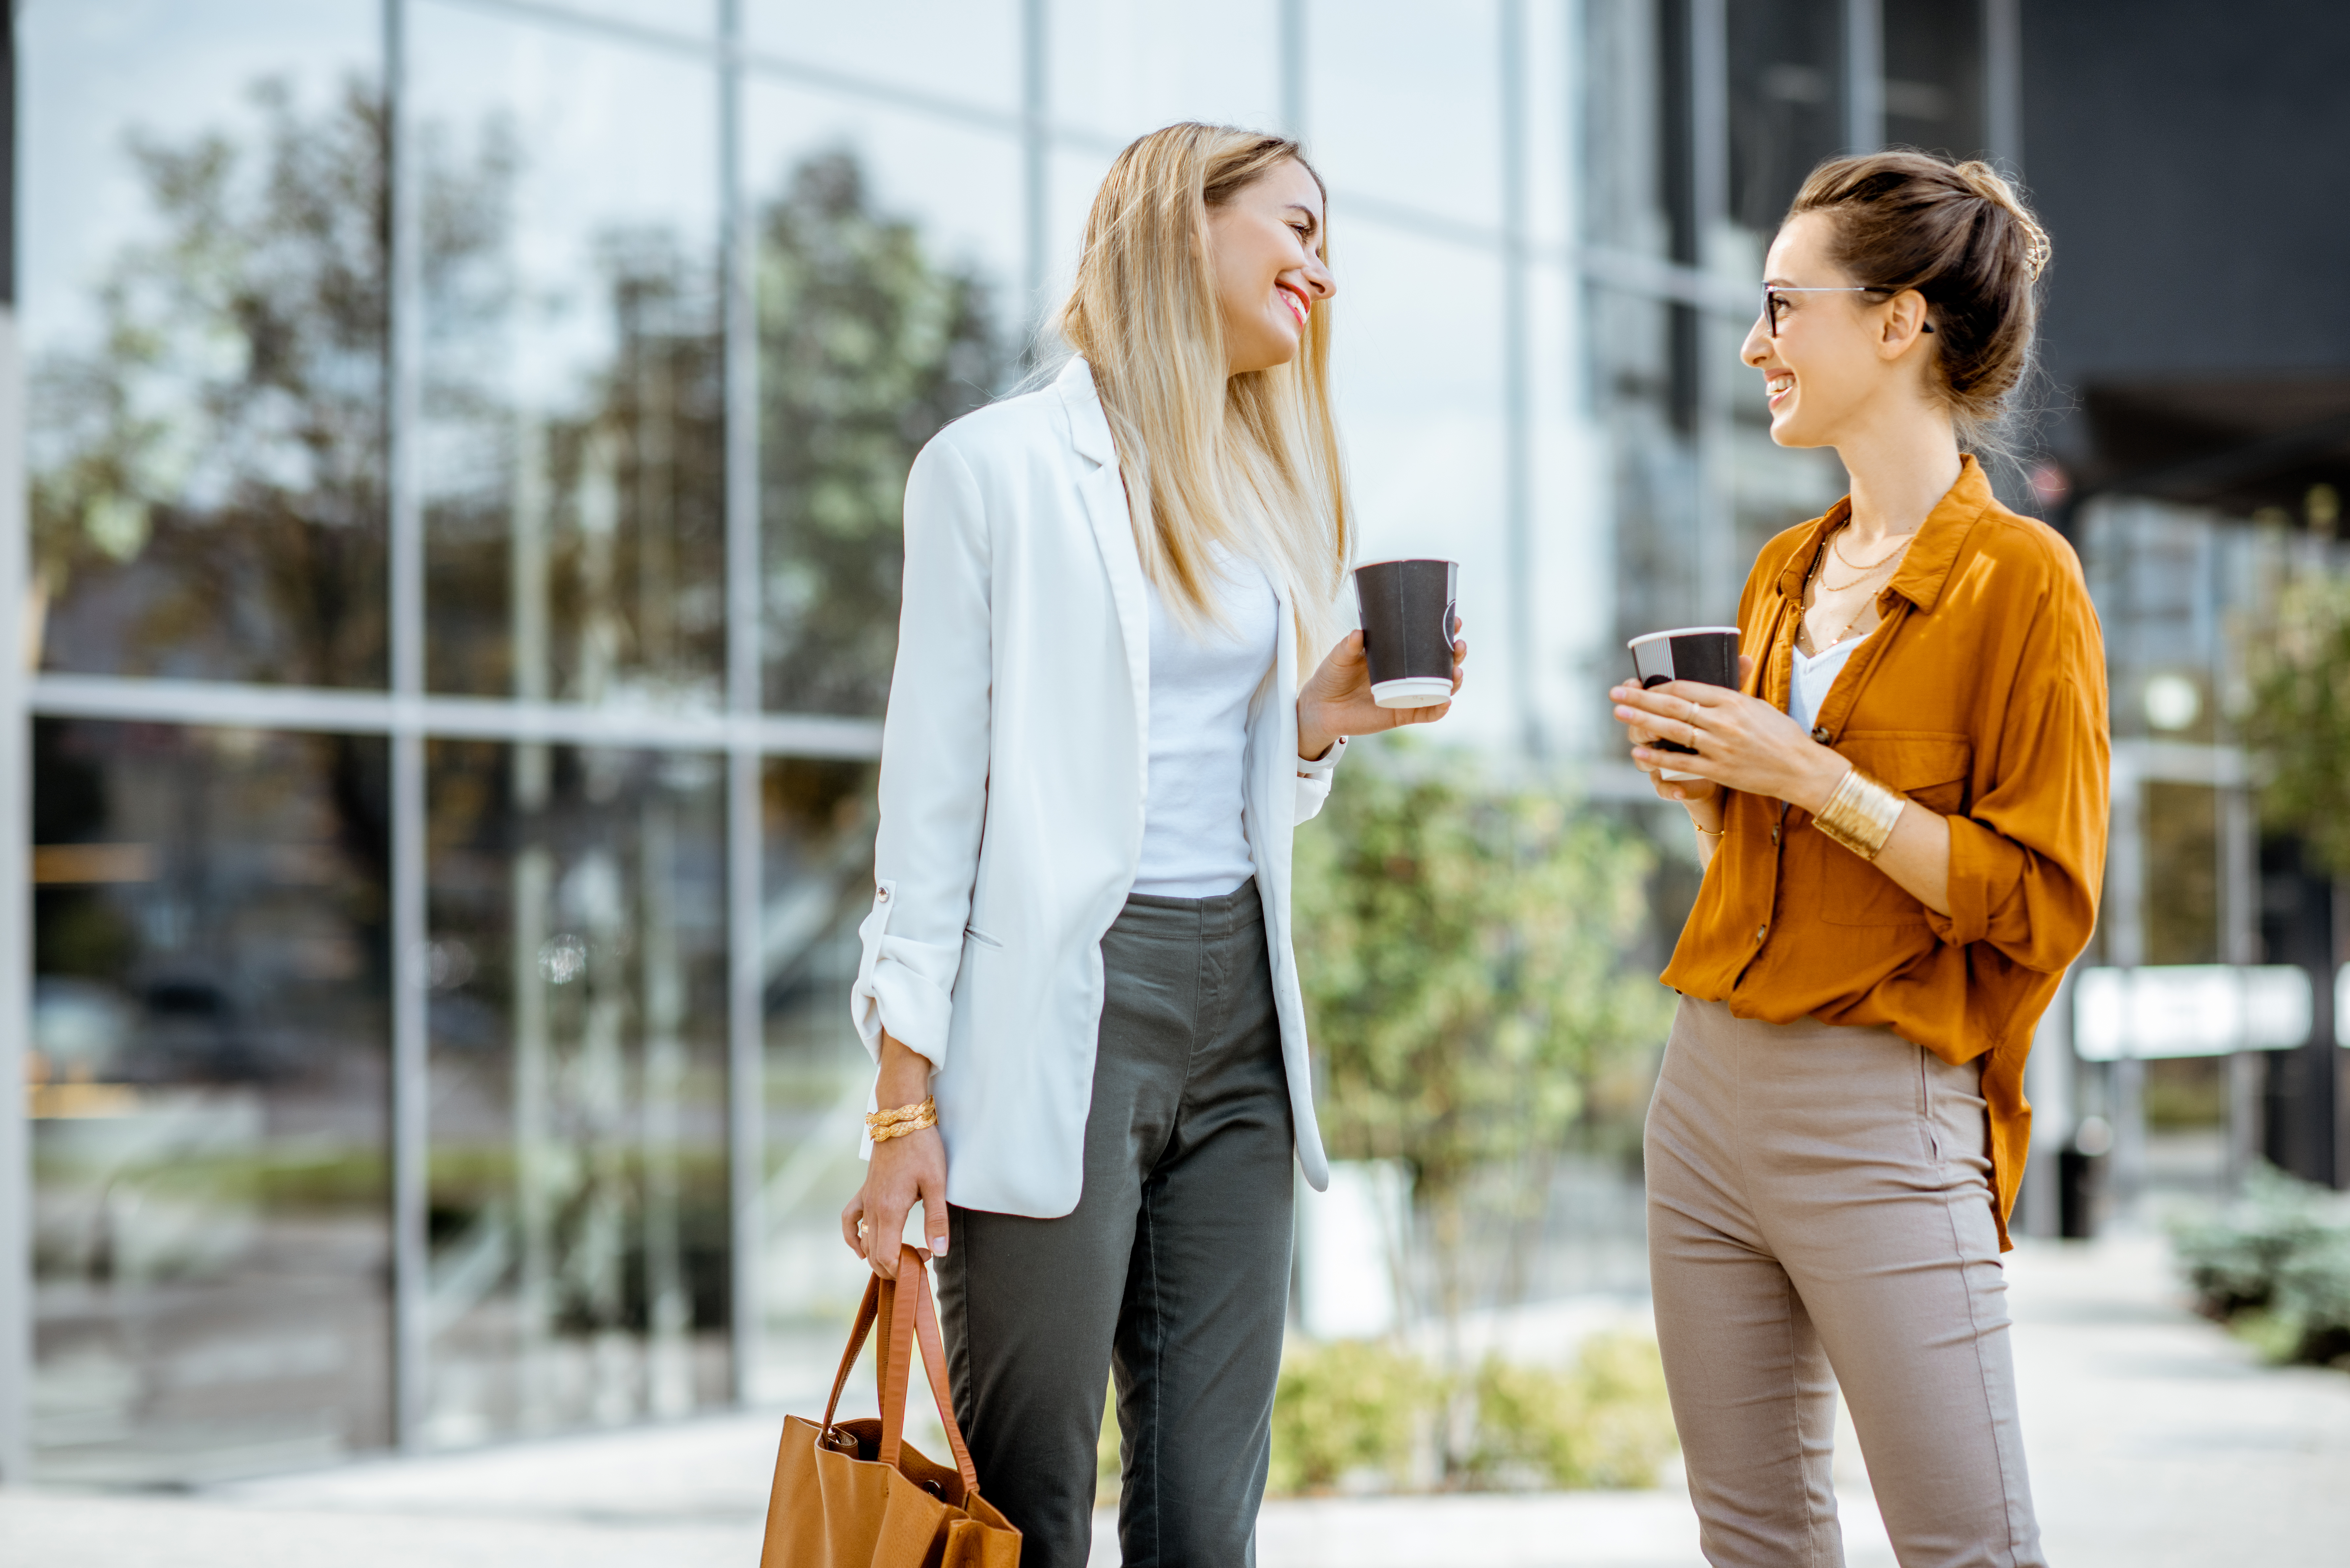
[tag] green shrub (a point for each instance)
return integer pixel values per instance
(1356, 1413)
(1602, 1423)
(1348, 1410)
(2275, 1266)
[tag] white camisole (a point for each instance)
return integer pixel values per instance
(1814, 675)
(1203, 680)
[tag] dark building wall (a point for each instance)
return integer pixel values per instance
(2191, 160)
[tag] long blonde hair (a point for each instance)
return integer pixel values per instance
(1204, 451)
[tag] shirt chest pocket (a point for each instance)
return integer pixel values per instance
(1933, 769)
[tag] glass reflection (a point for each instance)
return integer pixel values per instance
(1124, 66)
(818, 832)
(204, 316)
(208, 1101)
(1934, 76)
(1786, 102)
(965, 51)
(577, 1163)
(574, 512)
(884, 239)
(1366, 57)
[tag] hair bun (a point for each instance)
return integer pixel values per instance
(1986, 182)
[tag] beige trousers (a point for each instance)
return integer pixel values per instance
(1819, 1213)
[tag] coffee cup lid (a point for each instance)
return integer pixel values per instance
(1398, 560)
(1682, 631)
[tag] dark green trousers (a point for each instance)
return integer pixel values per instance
(1173, 1272)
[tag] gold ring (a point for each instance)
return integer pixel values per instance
(860, 1227)
(1692, 730)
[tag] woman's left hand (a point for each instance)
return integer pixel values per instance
(1337, 701)
(1742, 742)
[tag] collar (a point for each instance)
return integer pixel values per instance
(1931, 556)
(1088, 426)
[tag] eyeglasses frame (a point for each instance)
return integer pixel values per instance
(1771, 290)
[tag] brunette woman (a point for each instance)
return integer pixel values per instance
(1077, 979)
(1904, 817)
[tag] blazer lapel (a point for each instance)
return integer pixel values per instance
(1104, 494)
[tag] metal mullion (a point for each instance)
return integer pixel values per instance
(1864, 75)
(410, 1065)
(2004, 83)
(746, 1010)
(1517, 371)
(1036, 140)
(15, 924)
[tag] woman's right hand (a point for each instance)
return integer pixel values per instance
(904, 1171)
(1701, 796)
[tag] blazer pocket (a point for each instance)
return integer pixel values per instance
(1931, 767)
(982, 938)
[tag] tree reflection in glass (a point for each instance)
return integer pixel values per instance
(868, 346)
(208, 477)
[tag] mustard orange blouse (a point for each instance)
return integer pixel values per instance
(1980, 695)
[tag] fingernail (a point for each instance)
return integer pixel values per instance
(937, 1246)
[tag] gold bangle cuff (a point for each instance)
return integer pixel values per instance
(876, 1121)
(1860, 813)
(900, 1129)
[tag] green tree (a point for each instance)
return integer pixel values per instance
(2300, 718)
(1464, 947)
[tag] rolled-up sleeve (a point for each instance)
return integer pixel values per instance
(2027, 860)
(934, 762)
(1314, 781)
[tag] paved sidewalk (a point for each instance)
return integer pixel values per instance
(2155, 1443)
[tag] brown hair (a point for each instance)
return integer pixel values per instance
(1958, 235)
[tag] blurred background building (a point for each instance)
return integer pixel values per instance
(450, 457)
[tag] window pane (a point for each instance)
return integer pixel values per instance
(203, 309)
(1124, 66)
(1786, 102)
(1402, 103)
(574, 511)
(1624, 122)
(889, 260)
(1934, 76)
(208, 1100)
(1417, 355)
(693, 18)
(960, 51)
(819, 818)
(579, 1135)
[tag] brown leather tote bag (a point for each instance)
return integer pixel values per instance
(856, 1494)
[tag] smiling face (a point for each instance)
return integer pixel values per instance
(1265, 246)
(1836, 355)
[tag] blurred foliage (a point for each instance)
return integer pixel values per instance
(1363, 1415)
(2299, 717)
(1349, 1411)
(868, 346)
(1465, 945)
(1603, 1422)
(2275, 1266)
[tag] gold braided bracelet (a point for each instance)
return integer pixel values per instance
(1860, 814)
(883, 1125)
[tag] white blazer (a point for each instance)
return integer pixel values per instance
(1013, 764)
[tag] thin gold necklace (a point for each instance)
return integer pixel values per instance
(1851, 565)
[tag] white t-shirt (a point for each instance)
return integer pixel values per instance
(1203, 680)
(1814, 675)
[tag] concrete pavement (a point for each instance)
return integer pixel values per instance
(2156, 1442)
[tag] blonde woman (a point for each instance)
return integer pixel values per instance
(1077, 966)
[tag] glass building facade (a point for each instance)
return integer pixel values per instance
(454, 548)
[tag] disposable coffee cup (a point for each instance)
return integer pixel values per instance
(1411, 616)
(1706, 654)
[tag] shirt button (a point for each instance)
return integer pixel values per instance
(1820, 733)
(1774, 832)
(882, 894)
(1761, 931)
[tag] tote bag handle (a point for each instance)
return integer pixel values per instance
(907, 1318)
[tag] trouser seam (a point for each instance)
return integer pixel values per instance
(1974, 1323)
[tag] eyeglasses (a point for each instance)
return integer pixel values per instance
(1772, 304)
